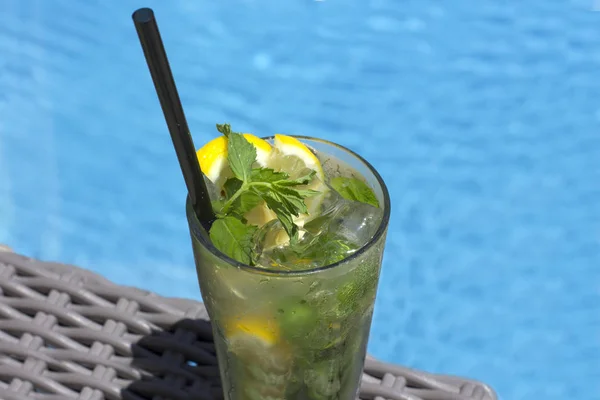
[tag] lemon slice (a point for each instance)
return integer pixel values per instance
(294, 157)
(267, 355)
(262, 331)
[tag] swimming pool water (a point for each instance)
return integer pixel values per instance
(483, 118)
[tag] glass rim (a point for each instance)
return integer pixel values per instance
(196, 229)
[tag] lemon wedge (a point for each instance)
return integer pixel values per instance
(294, 157)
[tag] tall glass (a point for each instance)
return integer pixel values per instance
(293, 335)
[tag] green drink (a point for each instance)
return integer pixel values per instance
(289, 271)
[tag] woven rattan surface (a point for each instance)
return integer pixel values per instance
(66, 333)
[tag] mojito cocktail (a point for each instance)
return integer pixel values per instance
(289, 269)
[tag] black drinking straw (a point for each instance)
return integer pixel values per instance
(157, 61)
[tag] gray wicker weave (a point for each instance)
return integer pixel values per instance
(66, 333)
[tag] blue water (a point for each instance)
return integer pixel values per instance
(483, 118)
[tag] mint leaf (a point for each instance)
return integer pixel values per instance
(243, 203)
(328, 248)
(231, 186)
(286, 203)
(233, 238)
(217, 206)
(293, 200)
(303, 180)
(283, 209)
(246, 202)
(306, 192)
(241, 154)
(318, 224)
(267, 175)
(225, 129)
(354, 189)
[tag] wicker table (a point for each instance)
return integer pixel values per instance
(66, 333)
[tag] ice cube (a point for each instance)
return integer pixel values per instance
(356, 222)
(352, 220)
(269, 236)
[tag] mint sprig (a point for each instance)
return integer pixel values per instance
(249, 187)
